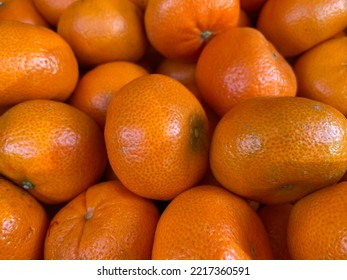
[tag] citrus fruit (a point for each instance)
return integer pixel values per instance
(103, 31)
(277, 149)
(239, 64)
(21, 10)
(209, 223)
(317, 227)
(275, 219)
(294, 26)
(52, 9)
(36, 63)
(322, 73)
(97, 86)
(181, 71)
(23, 224)
(157, 137)
(179, 29)
(106, 221)
(50, 148)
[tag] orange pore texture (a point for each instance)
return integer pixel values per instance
(277, 149)
(105, 222)
(157, 137)
(208, 222)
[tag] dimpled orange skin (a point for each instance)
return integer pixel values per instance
(157, 137)
(35, 63)
(301, 24)
(21, 10)
(50, 148)
(95, 89)
(23, 224)
(239, 64)
(103, 31)
(277, 149)
(105, 222)
(317, 228)
(179, 29)
(209, 223)
(322, 73)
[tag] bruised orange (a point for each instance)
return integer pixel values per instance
(157, 137)
(209, 223)
(277, 149)
(106, 222)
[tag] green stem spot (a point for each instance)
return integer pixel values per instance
(198, 133)
(27, 185)
(205, 35)
(89, 214)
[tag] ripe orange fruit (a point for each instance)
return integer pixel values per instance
(23, 224)
(275, 219)
(103, 31)
(179, 29)
(50, 148)
(322, 73)
(36, 63)
(317, 227)
(52, 9)
(96, 87)
(209, 223)
(277, 149)
(106, 221)
(181, 71)
(157, 137)
(295, 26)
(239, 64)
(21, 10)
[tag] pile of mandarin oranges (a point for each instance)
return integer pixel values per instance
(173, 129)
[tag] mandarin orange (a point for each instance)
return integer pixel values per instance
(23, 11)
(157, 137)
(35, 63)
(317, 227)
(277, 149)
(294, 26)
(322, 73)
(209, 223)
(103, 31)
(106, 221)
(239, 64)
(50, 148)
(179, 29)
(23, 224)
(96, 87)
